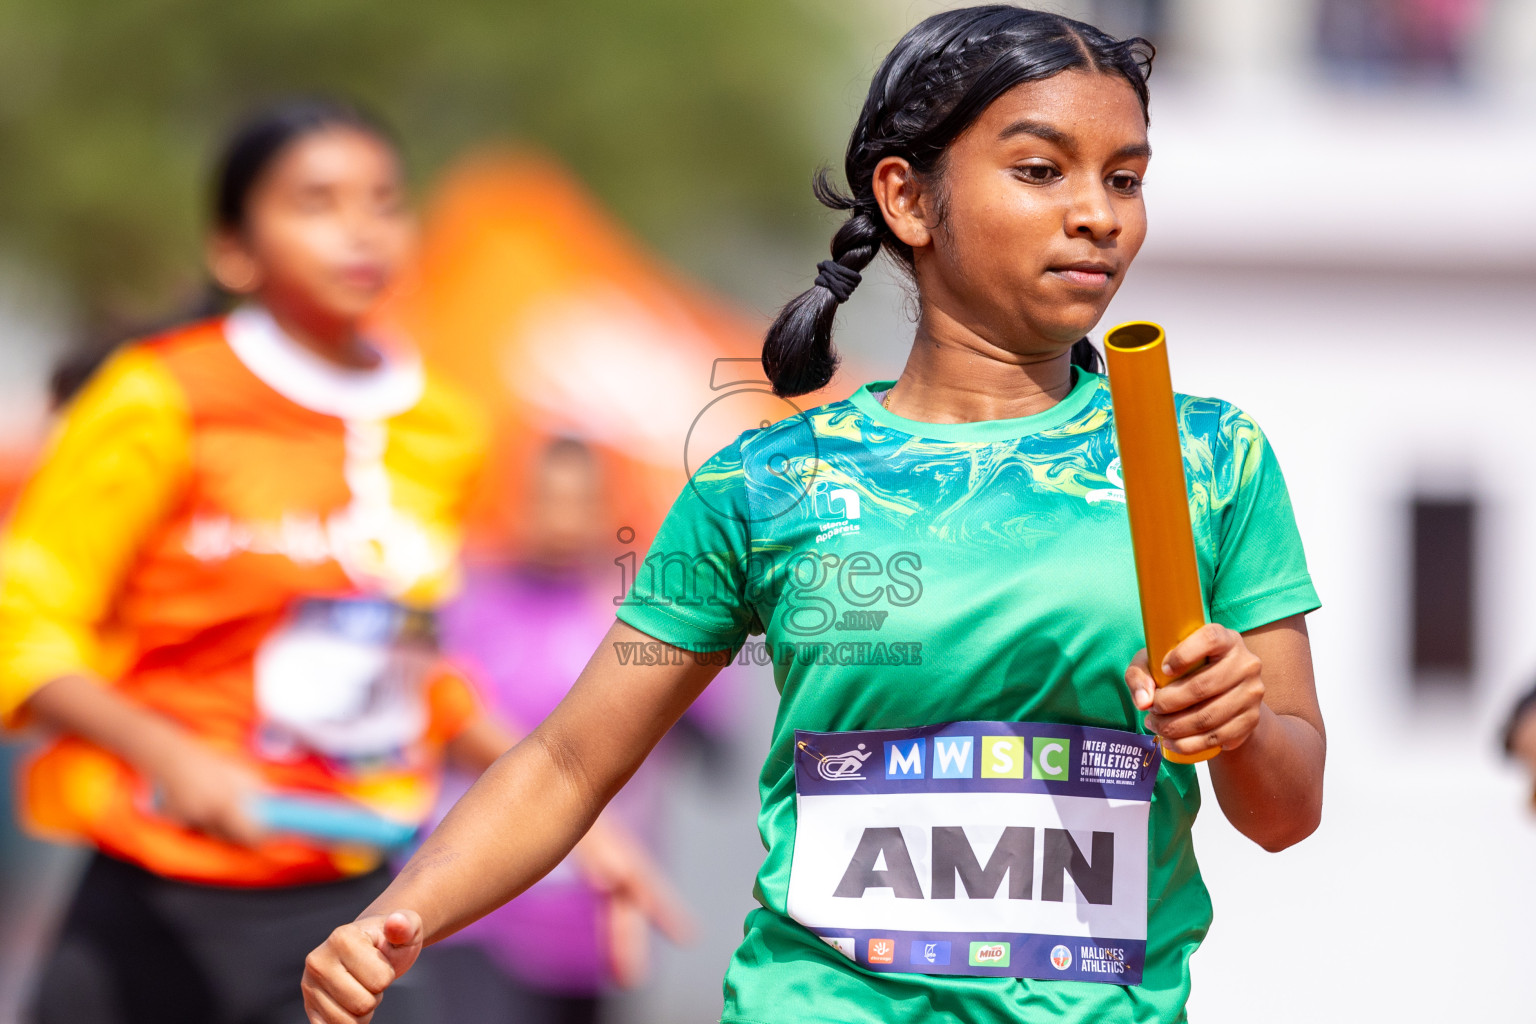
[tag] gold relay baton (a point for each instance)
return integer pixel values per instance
(1156, 496)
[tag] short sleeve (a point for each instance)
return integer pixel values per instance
(1261, 570)
(114, 467)
(452, 701)
(691, 590)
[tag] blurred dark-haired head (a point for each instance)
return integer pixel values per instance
(258, 140)
(567, 511)
(308, 210)
(310, 214)
(930, 88)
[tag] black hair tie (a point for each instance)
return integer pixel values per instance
(837, 279)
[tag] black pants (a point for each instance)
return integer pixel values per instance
(140, 949)
(467, 988)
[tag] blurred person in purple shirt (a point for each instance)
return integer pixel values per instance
(525, 630)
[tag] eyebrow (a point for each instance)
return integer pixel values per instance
(1039, 131)
(1057, 137)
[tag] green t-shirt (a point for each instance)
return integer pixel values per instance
(907, 574)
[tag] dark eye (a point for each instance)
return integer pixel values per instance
(1125, 183)
(1037, 174)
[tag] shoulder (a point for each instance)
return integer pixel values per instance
(131, 419)
(1223, 446)
(451, 410)
(1217, 422)
(778, 444)
(798, 434)
(135, 383)
(1212, 415)
(191, 353)
(443, 437)
(219, 385)
(769, 467)
(187, 340)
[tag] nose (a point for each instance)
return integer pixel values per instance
(364, 224)
(1091, 214)
(362, 229)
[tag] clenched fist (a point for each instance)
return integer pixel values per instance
(345, 977)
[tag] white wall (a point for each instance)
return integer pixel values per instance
(1367, 386)
(32, 332)
(1370, 385)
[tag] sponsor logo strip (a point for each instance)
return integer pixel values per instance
(1042, 957)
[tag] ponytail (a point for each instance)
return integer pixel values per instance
(797, 354)
(257, 143)
(1086, 357)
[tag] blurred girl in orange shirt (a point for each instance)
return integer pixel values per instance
(217, 591)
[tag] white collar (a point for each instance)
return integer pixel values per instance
(317, 384)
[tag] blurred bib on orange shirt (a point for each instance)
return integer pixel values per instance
(343, 678)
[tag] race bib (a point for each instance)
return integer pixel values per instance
(343, 678)
(993, 849)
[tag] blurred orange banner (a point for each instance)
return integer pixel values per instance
(535, 301)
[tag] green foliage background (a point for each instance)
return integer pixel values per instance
(679, 113)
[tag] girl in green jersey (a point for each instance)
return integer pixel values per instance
(965, 817)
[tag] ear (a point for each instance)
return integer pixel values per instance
(231, 263)
(903, 201)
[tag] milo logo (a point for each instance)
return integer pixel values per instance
(989, 954)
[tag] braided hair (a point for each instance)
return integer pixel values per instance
(930, 88)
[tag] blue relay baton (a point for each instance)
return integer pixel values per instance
(329, 819)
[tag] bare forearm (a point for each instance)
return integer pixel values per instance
(517, 822)
(530, 808)
(1271, 787)
(93, 711)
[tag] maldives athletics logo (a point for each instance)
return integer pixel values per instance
(1061, 957)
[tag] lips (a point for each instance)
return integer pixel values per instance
(365, 277)
(1087, 274)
